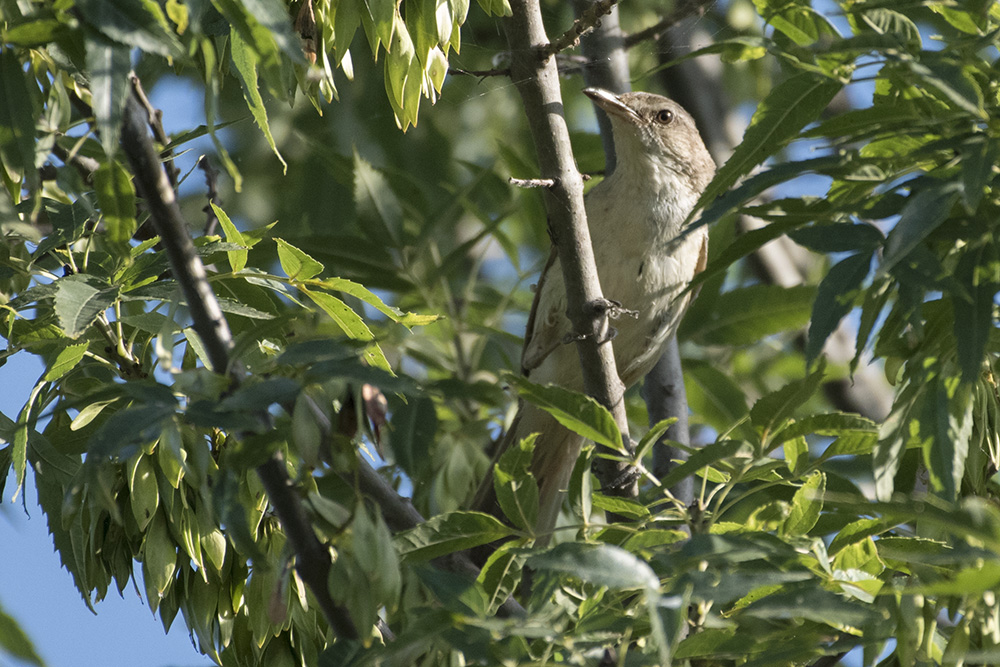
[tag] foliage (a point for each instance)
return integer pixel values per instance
(372, 281)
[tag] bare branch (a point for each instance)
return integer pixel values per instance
(685, 9)
(313, 560)
(536, 76)
(481, 73)
(156, 123)
(581, 26)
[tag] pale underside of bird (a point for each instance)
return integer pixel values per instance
(645, 261)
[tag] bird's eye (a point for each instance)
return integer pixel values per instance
(664, 116)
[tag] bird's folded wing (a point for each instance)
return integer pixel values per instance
(548, 325)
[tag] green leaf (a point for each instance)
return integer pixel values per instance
(706, 456)
(65, 361)
(79, 300)
(713, 395)
(856, 531)
(807, 503)
(974, 308)
(17, 117)
(139, 23)
(946, 430)
(414, 426)
(245, 61)
(159, 559)
(15, 642)
(829, 424)
(274, 16)
(109, 65)
(601, 564)
(745, 315)
(378, 208)
(923, 213)
(116, 196)
(577, 412)
(364, 294)
(773, 410)
(789, 107)
(834, 299)
(448, 533)
(296, 264)
(623, 506)
(515, 486)
(838, 237)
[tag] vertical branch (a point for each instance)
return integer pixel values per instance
(534, 72)
(663, 388)
(313, 559)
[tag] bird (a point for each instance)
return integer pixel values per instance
(645, 261)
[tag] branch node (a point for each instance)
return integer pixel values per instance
(589, 20)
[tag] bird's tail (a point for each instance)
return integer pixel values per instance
(556, 452)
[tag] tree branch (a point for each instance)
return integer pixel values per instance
(585, 22)
(685, 9)
(313, 560)
(536, 76)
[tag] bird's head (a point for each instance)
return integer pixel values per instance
(656, 129)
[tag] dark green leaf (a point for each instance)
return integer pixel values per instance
(17, 116)
(838, 237)
(923, 213)
(745, 315)
(139, 23)
(414, 425)
(713, 395)
(15, 642)
(946, 429)
(109, 66)
(448, 533)
(834, 299)
(771, 411)
(789, 107)
(116, 196)
(974, 309)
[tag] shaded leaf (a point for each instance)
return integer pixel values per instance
(577, 412)
(79, 299)
(448, 533)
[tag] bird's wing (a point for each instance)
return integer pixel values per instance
(548, 325)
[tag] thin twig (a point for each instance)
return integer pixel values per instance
(312, 558)
(85, 166)
(156, 123)
(537, 81)
(684, 9)
(481, 73)
(580, 27)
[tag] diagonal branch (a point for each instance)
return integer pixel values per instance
(537, 79)
(313, 560)
(588, 19)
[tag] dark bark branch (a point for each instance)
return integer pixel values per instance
(684, 10)
(535, 73)
(156, 124)
(481, 73)
(211, 176)
(86, 166)
(585, 22)
(313, 560)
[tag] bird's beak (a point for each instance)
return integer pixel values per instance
(611, 104)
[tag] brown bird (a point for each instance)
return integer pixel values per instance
(635, 218)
